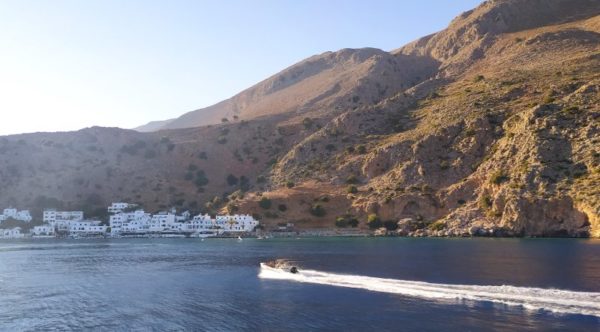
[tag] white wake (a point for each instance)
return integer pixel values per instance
(554, 300)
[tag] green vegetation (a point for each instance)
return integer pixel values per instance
(345, 221)
(390, 225)
(444, 165)
(373, 221)
(361, 149)
(499, 177)
(150, 154)
(485, 202)
(244, 183)
(265, 203)
(352, 189)
(307, 123)
(352, 179)
(289, 184)
(282, 207)
(232, 180)
(133, 148)
(317, 210)
(437, 226)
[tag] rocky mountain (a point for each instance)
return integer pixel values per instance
(330, 81)
(489, 127)
(153, 126)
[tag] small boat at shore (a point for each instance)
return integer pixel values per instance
(280, 265)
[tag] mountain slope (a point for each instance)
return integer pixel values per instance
(332, 80)
(153, 126)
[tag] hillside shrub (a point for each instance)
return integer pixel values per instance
(361, 149)
(485, 202)
(499, 177)
(265, 203)
(317, 210)
(437, 226)
(352, 179)
(201, 179)
(232, 180)
(307, 123)
(390, 225)
(347, 220)
(373, 221)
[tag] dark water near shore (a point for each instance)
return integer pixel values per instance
(188, 284)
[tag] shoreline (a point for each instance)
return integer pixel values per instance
(304, 234)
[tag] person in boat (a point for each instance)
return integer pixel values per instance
(283, 265)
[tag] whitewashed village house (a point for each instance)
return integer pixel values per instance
(12, 233)
(61, 220)
(71, 222)
(43, 231)
(140, 222)
(12, 213)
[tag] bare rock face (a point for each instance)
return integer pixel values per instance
(472, 33)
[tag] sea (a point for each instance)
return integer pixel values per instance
(344, 284)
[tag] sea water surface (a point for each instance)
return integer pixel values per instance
(345, 284)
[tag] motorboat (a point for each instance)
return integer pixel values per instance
(280, 265)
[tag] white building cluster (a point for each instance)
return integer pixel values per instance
(12, 213)
(138, 222)
(67, 223)
(127, 220)
(11, 233)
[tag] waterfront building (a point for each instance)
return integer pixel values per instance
(43, 230)
(135, 221)
(12, 233)
(87, 227)
(169, 222)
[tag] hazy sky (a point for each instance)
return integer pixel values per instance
(70, 64)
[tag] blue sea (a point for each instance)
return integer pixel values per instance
(344, 284)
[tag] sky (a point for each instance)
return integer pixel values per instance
(71, 64)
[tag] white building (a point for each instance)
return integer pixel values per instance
(119, 207)
(236, 223)
(140, 222)
(135, 221)
(13, 213)
(12, 233)
(43, 230)
(61, 220)
(86, 227)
